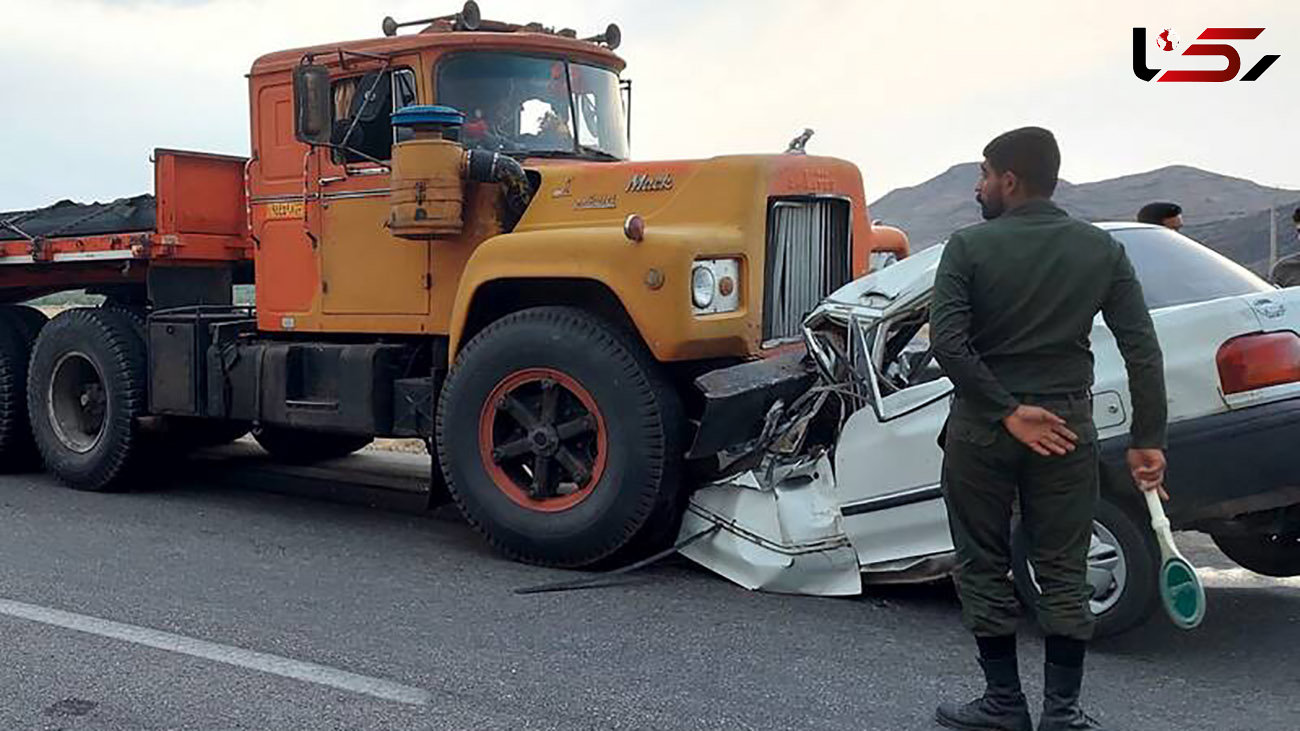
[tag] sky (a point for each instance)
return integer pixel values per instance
(902, 88)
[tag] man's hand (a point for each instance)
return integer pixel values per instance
(1041, 431)
(1148, 469)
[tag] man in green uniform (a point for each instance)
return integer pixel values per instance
(1014, 303)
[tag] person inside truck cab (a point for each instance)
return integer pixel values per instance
(511, 103)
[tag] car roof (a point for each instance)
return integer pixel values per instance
(1122, 225)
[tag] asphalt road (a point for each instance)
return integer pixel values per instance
(392, 597)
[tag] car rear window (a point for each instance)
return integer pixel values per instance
(1175, 270)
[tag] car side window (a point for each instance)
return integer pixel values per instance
(908, 355)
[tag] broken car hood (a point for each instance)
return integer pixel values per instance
(892, 288)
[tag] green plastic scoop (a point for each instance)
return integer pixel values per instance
(1180, 588)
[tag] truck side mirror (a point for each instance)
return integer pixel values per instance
(313, 111)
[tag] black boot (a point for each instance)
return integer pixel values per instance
(1001, 708)
(1061, 710)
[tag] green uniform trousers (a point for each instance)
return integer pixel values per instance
(985, 472)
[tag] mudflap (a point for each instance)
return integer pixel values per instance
(783, 534)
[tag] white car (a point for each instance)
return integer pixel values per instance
(836, 467)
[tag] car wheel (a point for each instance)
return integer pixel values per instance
(1264, 553)
(1123, 570)
(85, 393)
(560, 440)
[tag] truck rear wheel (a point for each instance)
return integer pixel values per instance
(559, 439)
(17, 449)
(84, 395)
(301, 446)
(28, 319)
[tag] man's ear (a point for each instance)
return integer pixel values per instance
(1011, 184)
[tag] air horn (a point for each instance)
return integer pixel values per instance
(612, 37)
(469, 18)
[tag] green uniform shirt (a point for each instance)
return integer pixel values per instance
(1014, 302)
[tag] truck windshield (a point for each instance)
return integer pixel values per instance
(532, 105)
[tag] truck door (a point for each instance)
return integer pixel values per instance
(365, 270)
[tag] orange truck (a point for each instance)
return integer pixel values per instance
(448, 241)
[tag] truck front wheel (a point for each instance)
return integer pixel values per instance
(560, 440)
(85, 392)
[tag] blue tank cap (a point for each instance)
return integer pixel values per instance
(426, 114)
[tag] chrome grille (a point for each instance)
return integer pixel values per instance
(807, 259)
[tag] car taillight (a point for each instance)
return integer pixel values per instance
(1252, 362)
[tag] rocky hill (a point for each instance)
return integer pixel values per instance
(1229, 214)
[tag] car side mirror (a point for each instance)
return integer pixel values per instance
(311, 104)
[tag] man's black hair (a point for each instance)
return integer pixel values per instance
(1157, 212)
(1296, 216)
(1029, 152)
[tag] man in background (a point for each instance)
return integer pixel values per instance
(1286, 272)
(1169, 215)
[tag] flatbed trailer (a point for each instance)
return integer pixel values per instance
(197, 217)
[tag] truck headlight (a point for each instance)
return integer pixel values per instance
(703, 286)
(715, 286)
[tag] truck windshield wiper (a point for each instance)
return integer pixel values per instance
(598, 153)
(583, 151)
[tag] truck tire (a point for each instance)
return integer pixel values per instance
(86, 391)
(1124, 561)
(17, 448)
(302, 446)
(558, 392)
(28, 319)
(1263, 553)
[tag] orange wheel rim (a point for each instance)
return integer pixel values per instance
(542, 439)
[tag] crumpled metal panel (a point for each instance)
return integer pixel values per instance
(785, 537)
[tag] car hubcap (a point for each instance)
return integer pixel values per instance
(1107, 570)
(78, 403)
(542, 439)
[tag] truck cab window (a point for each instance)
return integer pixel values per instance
(369, 100)
(403, 96)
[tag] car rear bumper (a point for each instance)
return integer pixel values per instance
(1229, 464)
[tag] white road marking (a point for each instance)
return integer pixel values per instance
(239, 657)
